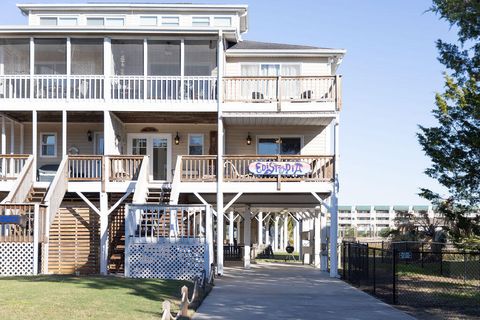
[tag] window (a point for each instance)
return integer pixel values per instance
(48, 21)
(67, 21)
(127, 57)
(48, 146)
(164, 58)
(114, 22)
(200, 57)
(50, 56)
(222, 21)
(139, 146)
(87, 56)
(271, 69)
(279, 145)
(15, 55)
(200, 21)
(170, 21)
(148, 21)
(195, 144)
(95, 21)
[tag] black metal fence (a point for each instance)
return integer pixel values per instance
(416, 277)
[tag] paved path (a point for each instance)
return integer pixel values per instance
(277, 291)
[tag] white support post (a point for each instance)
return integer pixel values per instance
(295, 235)
(275, 234)
(209, 237)
(281, 246)
(22, 134)
(260, 229)
(182, 68)
(107, 66)
(108, 134)
(334, 206)
(103, 233)
(145, 68)
(34, 143)
(220, 137)
(239, 230)
(64, 133)
(36, 229)
(4, 147)
(32, 66)
(69, 66)
(247, 240)
(285, 231)
(323, 238)
(267, 231)
(300, 240)
(318, 243)
(12, 137)
(230, 228)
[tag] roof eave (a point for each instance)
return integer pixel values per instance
(286, 52)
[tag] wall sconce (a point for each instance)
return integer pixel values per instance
(249, 139)
(89, 136)
(177, 139)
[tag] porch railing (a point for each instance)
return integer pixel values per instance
(85, 168)
(236, 168)
(11, 165)
(20, 189)
(17, 222)
(124, 168)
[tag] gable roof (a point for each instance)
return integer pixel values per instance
(257, 45)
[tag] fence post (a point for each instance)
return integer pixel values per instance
(394, 276)
(374, 272)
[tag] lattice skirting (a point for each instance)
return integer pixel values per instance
(166, 260)
(16, 258)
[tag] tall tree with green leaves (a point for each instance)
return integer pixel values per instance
(454, 144)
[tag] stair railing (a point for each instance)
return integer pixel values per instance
(57, 191)
(23, 183)
(177, 176)
(141, 187)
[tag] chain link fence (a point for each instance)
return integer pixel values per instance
(444, 283)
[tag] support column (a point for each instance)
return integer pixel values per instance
(4, 147)
(334, 206)
(281, 243)
(239, 230)
(22, 133)
(300, 242)
(34, 143)
(275, 234)
(209, 237)
(103, 233)
(285, 230)
(12, 137)
(317, 238)
(230, 228)
(220, 137)
(267, 231)
(108, 134)
(295, 235)
(323, 239)
(107, 66)
(247, 240)
(260, 228)
(64, 132)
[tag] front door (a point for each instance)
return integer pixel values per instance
(158, 148)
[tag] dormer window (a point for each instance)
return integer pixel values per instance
(148, 21)
(171, 21)
(95, 22)
(48, 21)
(114, 22)
(222, 22)
(200, 21)
(67, 21)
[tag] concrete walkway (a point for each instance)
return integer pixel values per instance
(278, 291)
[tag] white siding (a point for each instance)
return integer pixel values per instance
(310, 66)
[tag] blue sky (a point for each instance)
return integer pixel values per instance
(390, 75)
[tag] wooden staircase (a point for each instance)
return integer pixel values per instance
(116, 234)
(36, 195)
(158, 195)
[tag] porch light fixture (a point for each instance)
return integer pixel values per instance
(89, 136)
(249, 139)
(177, 139)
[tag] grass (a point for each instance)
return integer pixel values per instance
(280, 257)
(68, 297)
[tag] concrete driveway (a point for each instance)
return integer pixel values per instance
(279, 291)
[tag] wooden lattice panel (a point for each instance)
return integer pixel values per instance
(166, 260)
(116, 238)
(74, 242)
(16, 258)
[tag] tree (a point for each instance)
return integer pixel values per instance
(454, 144)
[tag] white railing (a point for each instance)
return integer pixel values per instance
(50, 87)
(85, 168)
(177, 179)
(57, 191)
(199, 88)
(308, 89)
(127, 87)
(150, 223)
(11, 165)
(86, 87)
(14, 86)
(141, 188)
(23, 183)
(250, 89)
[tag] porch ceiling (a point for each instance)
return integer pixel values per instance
(167, 117)
(274, 119)
(56, 116)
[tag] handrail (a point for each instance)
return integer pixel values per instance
(11, 165)
(124, 167)
(177, 178)
(23, 231)
(23, 184)
(57, 191)
(141, 188)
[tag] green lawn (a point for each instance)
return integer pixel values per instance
(280, 257)
(68, 297)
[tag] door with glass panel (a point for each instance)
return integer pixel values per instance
(158, 148)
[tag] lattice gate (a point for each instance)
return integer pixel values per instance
(168, 242)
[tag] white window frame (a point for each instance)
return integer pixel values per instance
(48, 17)
(148, 17)
(65, 18)
(278, 136)
(203, 141)
(42, 134)
(259, 65)
(202, 18)
(106, 19)
(162, 23)
(219, 18)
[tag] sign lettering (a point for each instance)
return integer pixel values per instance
(290, 168)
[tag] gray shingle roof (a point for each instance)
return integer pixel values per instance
(256, 45)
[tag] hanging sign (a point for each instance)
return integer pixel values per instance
(13, 219)
(273, 168)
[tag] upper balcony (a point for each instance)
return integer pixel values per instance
(117, 74)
